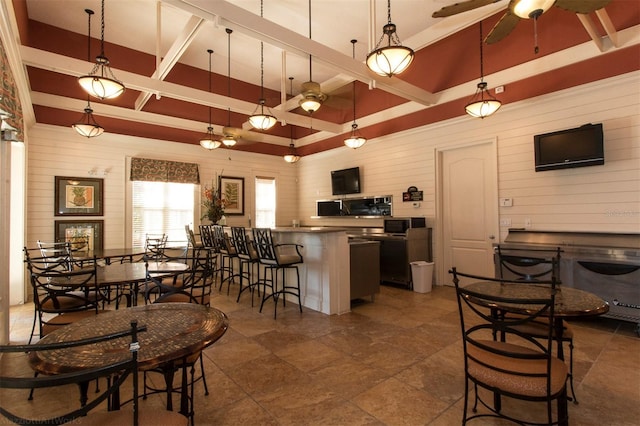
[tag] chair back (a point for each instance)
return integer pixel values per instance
(195, 287)
(528, 264)
(265, 248)
(517, 364)
(118, 372)
(207, 237)
(244, 246)
(223, 243)
(191, 237)
(154, 246)
(58, 253)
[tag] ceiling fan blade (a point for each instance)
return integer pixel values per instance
(505, 25)
(456, 8)
(582, 6)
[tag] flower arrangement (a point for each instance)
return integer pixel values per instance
(213, 204)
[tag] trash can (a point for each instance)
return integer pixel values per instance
(422, 274)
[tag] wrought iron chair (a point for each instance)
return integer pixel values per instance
(89, 413)
(533, 265)
(228, 253)
(248, 256)
(277, 258)
(519, 366)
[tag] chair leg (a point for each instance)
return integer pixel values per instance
(573, 392)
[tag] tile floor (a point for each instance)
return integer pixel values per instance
(395, 361)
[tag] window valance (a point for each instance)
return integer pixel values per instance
(150, 170)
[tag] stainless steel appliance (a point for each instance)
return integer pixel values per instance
(606, 264)
(400, 225)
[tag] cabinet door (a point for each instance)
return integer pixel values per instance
(393, 261)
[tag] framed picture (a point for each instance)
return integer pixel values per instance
(82, 234)
(232, 193)
(76, 196)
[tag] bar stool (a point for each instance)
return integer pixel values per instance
(274, 257)
(228, 252)
(248, 257)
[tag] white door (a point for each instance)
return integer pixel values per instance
(469, 209)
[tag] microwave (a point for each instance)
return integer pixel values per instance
(399, 225)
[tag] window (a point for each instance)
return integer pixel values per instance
(161, 207)
(265, 202)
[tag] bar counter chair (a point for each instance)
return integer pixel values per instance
(277, 258)
(90, 413)
(228, 253)
(249, 261)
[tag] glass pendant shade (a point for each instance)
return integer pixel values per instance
(209, 141)
(262, 121)
(526, 9)
(354, 141)
(482, 104)
(393, 58)
(88, 127)
(100, 82)
(228, 140)
(292, 156)
(310, 103)
(389, 61)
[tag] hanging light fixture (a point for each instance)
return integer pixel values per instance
(228, 138)
(355, 140)
(393, 58)
(292, 156)
(100, 82)
(312, 96)
(87, 126)
(210, 141)
(262, 120)
(482, 104)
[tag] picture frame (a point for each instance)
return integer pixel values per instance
(76, 196)
(84, 235)
(232, 193)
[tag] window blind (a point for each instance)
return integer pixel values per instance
(265, 202)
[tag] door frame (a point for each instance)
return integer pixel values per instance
(442, 275)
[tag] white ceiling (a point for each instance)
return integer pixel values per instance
(133, 23)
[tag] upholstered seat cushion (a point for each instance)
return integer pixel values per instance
(509, 380)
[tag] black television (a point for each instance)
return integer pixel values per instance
(346, 181)
(565, 149)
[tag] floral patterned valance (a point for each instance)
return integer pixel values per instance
(9, 99)
(164, 171)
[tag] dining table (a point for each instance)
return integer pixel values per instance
(173, 332)
(569, 303)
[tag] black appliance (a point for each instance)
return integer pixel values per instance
(329, 208)
(579, 147)
(400, 225)
(346, 181)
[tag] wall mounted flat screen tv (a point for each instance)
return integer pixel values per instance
(565, 149)
(346, 181)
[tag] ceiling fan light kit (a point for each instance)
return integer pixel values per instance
(392, 59)
(526, 9)
(88, 126)
(100, 82)
(312, 96)
(292, 156)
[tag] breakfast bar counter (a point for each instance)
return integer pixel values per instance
(324, 275)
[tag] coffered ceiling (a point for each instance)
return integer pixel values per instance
(158, 49)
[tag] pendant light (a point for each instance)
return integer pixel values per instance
(482, 104)
(312, 96)
(100, 82)
(355, 140)
(210, 141)
(228, 140)
(292, 156)
(87, 126)
(262, 120)
(393, 58)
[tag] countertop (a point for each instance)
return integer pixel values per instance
(309, 229)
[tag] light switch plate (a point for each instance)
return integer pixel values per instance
(506, 202)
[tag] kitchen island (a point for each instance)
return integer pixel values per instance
(324, 275)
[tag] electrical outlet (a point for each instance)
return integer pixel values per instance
(527, 223)
(416, 204)
(506, 202)
(505, 222)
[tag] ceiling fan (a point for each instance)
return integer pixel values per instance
(520, 9)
